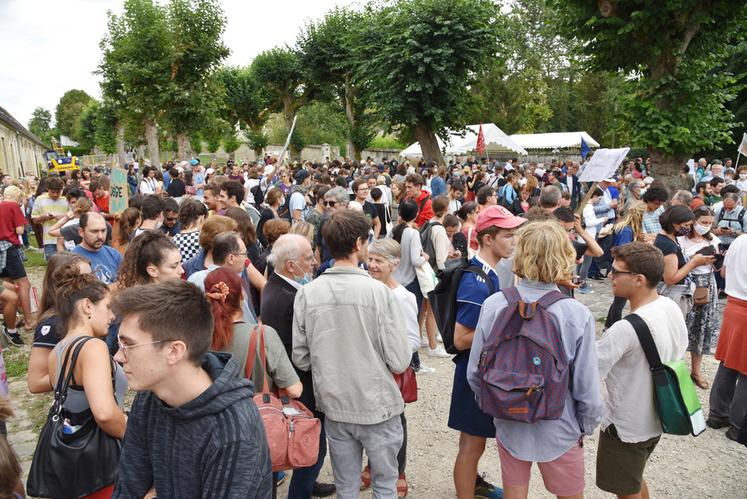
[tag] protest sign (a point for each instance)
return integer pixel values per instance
(603, 164)
(118, 191)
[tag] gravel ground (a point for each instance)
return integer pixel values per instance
(681, 467)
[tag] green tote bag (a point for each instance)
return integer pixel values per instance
(676, 400)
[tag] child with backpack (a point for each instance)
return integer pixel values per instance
(495, 235)
(533, 367)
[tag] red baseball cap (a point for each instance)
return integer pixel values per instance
(497, 216)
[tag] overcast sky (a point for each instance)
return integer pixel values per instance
(51, 46)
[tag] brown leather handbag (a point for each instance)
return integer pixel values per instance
(291, 428)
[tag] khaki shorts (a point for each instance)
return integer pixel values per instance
(620, 464)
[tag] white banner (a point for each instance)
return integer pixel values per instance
(603, 164)
(743, 146)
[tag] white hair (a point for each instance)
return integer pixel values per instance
(287, 247)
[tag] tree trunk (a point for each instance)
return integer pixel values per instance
(258, 153)
(121, 155)
(182, 146)
(668, 170)
(428, 144)
(151, 136)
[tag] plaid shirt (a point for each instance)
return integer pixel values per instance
(651, 223)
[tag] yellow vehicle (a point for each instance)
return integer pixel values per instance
(58, 162)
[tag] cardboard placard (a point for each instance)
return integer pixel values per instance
(603, 164)
(118, 191)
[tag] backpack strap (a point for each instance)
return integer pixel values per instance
(512, 295)
(550, 298)
(647, 341)
(421, 205)
(481, 273)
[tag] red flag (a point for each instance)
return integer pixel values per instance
(480, 142)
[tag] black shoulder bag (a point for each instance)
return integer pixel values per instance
(72, 464)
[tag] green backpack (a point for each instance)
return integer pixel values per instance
(674, 393)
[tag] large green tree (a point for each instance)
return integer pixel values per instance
(282, 75)
(245, 104)
(420, 56)
(672, 53)
(196, 50)
(328, 52)
(41, 124)
(137, 66)
(68, 111)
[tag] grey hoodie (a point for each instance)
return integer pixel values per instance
(213, 446)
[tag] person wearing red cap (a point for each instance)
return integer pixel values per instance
(496, 239)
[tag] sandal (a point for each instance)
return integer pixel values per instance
(366, 478)
(402, 487)
(699, 382)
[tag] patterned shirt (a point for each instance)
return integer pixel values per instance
(44, 205)
(188, 244)
(651, 223)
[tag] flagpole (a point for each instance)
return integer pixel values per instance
(736, 167)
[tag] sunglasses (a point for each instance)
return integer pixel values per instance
(331, 204)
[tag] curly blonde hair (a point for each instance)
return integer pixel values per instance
(544, 253)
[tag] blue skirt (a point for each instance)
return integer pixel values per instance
(464, 414)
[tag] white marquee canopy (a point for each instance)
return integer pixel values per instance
(457, 145)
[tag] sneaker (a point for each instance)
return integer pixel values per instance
(423, 369)
(439, 338)
(438, 352)
(717, 424)
(14, 338)
(323, 489)
(585, 289)
(733, 433)
(280, 478)
(486, 490)
(423, 341)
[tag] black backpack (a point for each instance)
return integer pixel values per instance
(443, 299)
(284, 210)
(427, 241)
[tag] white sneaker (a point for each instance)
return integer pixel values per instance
(425, 369)
(437, 352)
(439, 338)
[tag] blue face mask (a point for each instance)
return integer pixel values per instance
(305, 279)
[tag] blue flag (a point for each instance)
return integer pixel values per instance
(585, 150)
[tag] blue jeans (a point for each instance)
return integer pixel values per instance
(583, 269)
(49, 250)
(303, 479)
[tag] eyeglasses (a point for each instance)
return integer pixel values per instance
(331, 204)
(124, 348)
(245, 253)
(171, 219)
(363, 188)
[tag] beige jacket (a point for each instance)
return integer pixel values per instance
(350, 332)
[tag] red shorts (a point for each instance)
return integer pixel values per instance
(563, 476)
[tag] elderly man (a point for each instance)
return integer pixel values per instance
(294, 261)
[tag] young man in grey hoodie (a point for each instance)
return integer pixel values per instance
(194, 430)
(349, 331)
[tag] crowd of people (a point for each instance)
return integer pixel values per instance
(337, 263)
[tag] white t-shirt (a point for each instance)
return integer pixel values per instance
(454, 205)
(409, 307)
(297, 202)
(148, 186)
(736, 269)
(690, 247)
(629, 404)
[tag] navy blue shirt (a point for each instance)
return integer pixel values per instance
(472, 292)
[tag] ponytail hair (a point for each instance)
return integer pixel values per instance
(224, 292)
(146, 249)
(72, 286)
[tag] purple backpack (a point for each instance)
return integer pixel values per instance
(523, 366)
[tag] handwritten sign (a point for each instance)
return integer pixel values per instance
(603, 164)
(118, 191)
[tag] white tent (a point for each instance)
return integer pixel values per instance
(495, 141)
(557, 140)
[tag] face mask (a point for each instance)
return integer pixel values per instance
(682, 231)
(282, 201)
(701, 229)
(305, 279)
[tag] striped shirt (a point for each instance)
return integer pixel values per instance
(44, 205)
